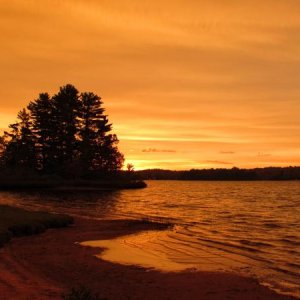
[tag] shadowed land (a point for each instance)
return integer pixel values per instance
(16, 222)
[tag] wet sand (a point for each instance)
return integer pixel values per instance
(47, 265)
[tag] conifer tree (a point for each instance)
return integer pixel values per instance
(97, 146)
(43, 128)
(3, 145)
(108, 157)
(20, 149)
(65, 122)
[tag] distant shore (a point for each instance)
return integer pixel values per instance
(47, 265)
(222, 174)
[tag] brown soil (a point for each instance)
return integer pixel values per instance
(46, 265)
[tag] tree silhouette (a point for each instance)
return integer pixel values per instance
(64, 134)
(65, 122)
(93, 127)
(20, 148)
(98, 148)
(42, 115)
(2, 150)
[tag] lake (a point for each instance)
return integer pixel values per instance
(251, 228)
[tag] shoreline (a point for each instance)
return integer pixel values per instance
(71, 185)
(47, 265)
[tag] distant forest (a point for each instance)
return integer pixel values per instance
(66, 134)
(271, 173)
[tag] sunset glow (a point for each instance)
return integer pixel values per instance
(186, 84)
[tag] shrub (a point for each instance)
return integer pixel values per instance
(81, 293)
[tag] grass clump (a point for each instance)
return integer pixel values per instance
(81, 293)
(16, 222)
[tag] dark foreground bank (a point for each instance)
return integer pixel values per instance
(16, 222)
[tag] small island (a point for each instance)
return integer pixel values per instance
(63, 142)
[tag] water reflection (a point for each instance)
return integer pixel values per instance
(91, 204)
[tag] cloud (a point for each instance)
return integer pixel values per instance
(227, 152)
(158, 150)
(260, 154)
(218, 162)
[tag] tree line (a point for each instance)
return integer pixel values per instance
(270, 173)
(66, 134)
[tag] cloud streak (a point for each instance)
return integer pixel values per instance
(227, 152)
(218, 162)
(154, 150)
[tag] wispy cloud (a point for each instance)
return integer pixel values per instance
(159, 150)
(261, 154)
(227, 152)
(218, 162)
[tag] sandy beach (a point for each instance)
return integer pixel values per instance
(47, 265)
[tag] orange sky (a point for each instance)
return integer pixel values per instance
(186, 83)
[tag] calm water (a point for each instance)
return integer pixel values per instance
(251, 228)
